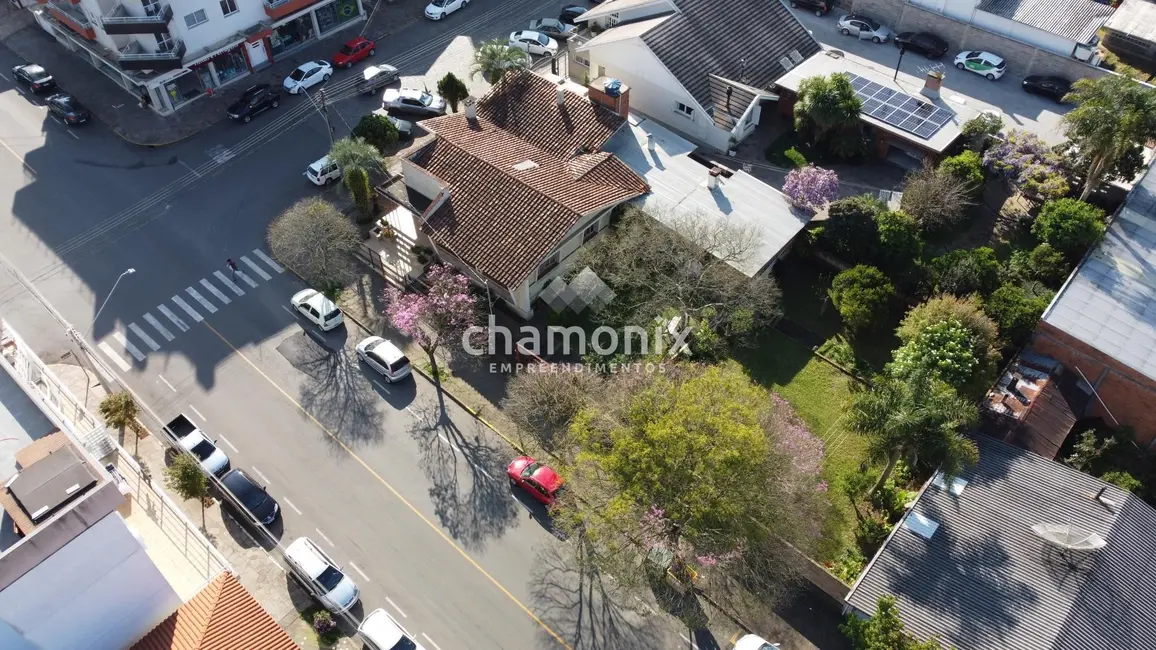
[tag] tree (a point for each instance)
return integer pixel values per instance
(544, 404)
(357, 180)
(851, 230)
(357, 159)
(811, 187)
(453, 90)
(1042, 264)
(1069, 226)
(916, 419)
(494, 58)
(944, 350)
(1029, 165)
(318, 242)
(444, 311)
(1076, 163)
(863, 296)
(1112, 115)
(185, 477)
(1088, 448)
(965, 271)
(979, 132)
(376, 129)
(936, 200)
(900, 243)
(120, 410)
(883, 631)
(1016, 310)
(828, 112)
(1123, 480)
(967, 312)
(966, 167)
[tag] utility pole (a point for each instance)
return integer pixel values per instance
(325, 114)
(902, 51)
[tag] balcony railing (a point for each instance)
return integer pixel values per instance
(72, 16)
(121, 22)
(160, 60)
(276, 9)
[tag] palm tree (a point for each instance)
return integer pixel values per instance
(918, 418)
(120, 410)
(494, 58)
(357, 159)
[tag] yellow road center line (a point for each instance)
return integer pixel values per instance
(18, 156)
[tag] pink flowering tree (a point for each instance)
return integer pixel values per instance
(811, 187)
(441, 313)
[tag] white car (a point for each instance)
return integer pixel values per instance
(213, 460)
(322, 172)
(438, 9)
(987, 64)
(307, 75)
(533, 42)
(380, 631)
(864, 28)
(384, 357)
(754, 642)
(337, 591)
(412, 100)
(318, 309)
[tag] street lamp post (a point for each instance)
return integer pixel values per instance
(90, 327)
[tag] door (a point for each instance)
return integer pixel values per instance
(257, 53)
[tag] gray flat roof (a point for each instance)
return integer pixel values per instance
(20, 419)
(51, 482)
(1135, 18)
(678, 187)
(1110, 302)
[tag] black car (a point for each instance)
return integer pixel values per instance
(568, 14)
(253, 101)
(929, 45)
(1053, 87)
(34, 76)
(255, 499)
(820, 7)
(67, 108)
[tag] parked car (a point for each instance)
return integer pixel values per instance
(338, 592)
(384, 357)
(569, 15)
(1053, 87)
(863, 27)
(438, 9)
(323, 172)
(192, 439)
(380, 631)
(929, 45)
(754, 642)
(533, 42)
(820, 7)
(987, 64)
(404, 128)
(68, 109)
(553, 28)
(255, 99)
(34, 76)
(412, 100)
(307, 75)
(376, 77)
(353, 51)
(541, 481)
(255, 498)
(317, 309)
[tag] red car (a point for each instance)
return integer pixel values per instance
(354, 51)
(539, 480)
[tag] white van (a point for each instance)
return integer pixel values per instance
(322, 172)
(336, 590)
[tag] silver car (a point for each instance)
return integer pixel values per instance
(411, 100)
(863, 27)
(337, 591)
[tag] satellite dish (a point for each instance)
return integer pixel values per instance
(1069, 537)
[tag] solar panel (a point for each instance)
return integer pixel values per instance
(900, 110)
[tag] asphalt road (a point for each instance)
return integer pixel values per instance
(403, 488)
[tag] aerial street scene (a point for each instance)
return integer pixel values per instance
(577, 325)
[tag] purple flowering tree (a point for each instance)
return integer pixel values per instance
(811, 187)
(444, 311)
(1029, 165)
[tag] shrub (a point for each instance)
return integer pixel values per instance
(1124, 481)
(1029, 165)
(945, 349)
(377, 131)
(849, 565)
(851, 231)
(900, 242)
(862, 294)
(453, 90)
(811, 187)
(979, 131)
(935, 199)
(1069, 226)
(323, 622)
(871, 532)
(1041, 264)
(1016, 311)
(983, 333)
(357, 180)
(890, 500)
(967, 167)
(963, 272)
(797, 159)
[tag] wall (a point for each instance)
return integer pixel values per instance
(566, 249)
(419, 180)
(218, 27)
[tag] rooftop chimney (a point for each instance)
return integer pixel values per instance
(471, 109)
(561, 94)
(650, 142)
(712, 177)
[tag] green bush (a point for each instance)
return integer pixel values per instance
(964, 272)
(1016, 311)
(797, 159)
(1124, 481)
(377, 130)
(850, 231)
(945, 349)
(1042, 264)
(890, 500)
(453, 90)
(900, 241)
(1069, 225)
(967, 167)
(978, 132)
(849, 565)
(863, 295)
(871, 532)
(357, 180)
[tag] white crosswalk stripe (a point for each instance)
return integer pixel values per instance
(212, 288)
(158, 327)
(132, 349)
(148, 340)
(248, 280)
(188, 310)
(229, 283)
(256, 269)
(268, 260)
(201, 299)
(116, 358)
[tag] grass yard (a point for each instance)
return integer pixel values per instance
(775, 151)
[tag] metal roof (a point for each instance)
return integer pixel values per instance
(985, 580)
(1135, 18)
(1110, 302)
(1074, 19)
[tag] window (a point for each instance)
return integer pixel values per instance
(611, 20)
(228, 7)
(590, 232)
(198, 17)
(684, 110)
(547, 265)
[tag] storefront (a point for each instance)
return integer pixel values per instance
(183, 89)
(291, 35)
(336, 14)
(230, 65)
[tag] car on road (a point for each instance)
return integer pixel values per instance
(193, 440)
(929, 45)
(307, 75)
(404, 127)
(34, 76)
(864, 28)
(384, 357)
(541, 481)
(438, 9)
(255, 99)
(754, 642)
(255, 498)
(380, 631)
(533, 42)
(553, 28)
(67, 108)
(569, 15)
(1054, 88)
(323, 172)
(820, 7)
(986, 64)
(317, 309)
(353, 51)
(338, 593)
(412, 100)
(375, 77)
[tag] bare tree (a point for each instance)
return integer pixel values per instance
(317, 241)
(543, 404)
(934, 198)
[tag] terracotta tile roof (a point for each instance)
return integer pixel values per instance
(223, 616)
(40, 448)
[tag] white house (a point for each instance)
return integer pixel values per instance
(1063, 27)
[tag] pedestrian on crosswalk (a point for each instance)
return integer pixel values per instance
(232, 268)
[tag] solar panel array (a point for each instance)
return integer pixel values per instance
(898, 109)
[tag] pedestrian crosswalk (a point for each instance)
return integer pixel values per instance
(127, 344)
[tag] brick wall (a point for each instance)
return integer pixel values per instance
(1129, 395)
(1023, 59)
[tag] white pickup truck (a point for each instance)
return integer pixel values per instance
(212, 459)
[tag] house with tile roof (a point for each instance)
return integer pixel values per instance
(704, 68)
(509, 190)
